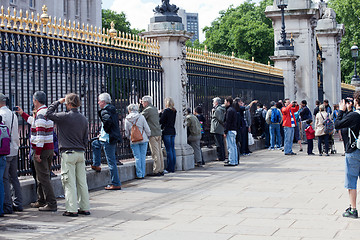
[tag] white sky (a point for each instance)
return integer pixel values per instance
(139, 12)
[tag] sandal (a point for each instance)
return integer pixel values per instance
(70, 214)
(83, 212)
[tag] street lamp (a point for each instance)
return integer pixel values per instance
(355, 54)
(283, 44)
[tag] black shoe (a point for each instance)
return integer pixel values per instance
(229, 165)
(87, 213)
(292, 153)
(350, 213)
(119, 163)
(70, 214)
(311, 153)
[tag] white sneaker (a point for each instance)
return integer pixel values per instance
(166, 172)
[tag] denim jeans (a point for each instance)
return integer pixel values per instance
(275, 135)
(220, 146)
(231, 146)
(139, 152)
(11, 178)
(288, 139)
(352, 169)
(169, 142)
(2, 170)
(109, 150)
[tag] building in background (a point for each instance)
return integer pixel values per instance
(83, 11)
(191, 23)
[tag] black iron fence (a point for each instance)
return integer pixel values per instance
(212, 75)
(62, 59)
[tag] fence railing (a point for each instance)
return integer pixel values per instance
(58, 57)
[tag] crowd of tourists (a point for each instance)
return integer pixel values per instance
(233, 125)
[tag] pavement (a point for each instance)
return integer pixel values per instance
(268, 196)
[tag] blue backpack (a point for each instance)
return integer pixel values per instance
(275, 115)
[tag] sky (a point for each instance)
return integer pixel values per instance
(139, 12)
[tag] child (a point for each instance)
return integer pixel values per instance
(310, 135)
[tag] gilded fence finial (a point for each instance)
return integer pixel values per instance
(112, 31)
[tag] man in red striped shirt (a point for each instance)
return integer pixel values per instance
(42, 151)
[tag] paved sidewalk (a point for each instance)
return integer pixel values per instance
(269, 196)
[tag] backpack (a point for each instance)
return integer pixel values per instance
(5, 140)
(328, 124)
(135, 134)
(275, 116)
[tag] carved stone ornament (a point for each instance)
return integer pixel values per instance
(184, 81)
(166, 8)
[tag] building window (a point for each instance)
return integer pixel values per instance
(76, 7)
(32, 3)
(65, 6)
(88, 8)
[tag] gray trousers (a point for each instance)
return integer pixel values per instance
(11, 177)
(194, 142)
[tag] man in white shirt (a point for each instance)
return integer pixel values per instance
(10, 175)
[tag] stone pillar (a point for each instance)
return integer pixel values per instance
(168, 30)
(329, 35)
(285, 59)
(300, 21)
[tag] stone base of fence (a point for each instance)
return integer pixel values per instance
(98, 180)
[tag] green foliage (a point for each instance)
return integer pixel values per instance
(196, 44)
(121, 23)
(348, 13)
(244, 30)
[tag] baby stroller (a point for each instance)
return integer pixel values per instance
(332, 149)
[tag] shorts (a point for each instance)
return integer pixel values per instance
(352, 169)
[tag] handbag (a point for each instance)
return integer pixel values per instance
(251, 139)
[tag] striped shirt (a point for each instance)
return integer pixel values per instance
(41, 130)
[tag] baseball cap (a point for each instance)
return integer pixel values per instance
(3, 97)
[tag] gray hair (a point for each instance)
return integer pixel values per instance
(147, 99)
(105, 97)
(322, 108)
(133, 108)
(217, 99)
(40, 96)
(272, 103)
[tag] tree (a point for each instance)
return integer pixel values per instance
(244, 30)
(121, 23)
(196, 44)
(348, 13)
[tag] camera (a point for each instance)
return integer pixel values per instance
(15, 109)
(349, 100)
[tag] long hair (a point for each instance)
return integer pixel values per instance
(169, 103)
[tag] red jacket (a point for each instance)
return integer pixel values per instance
(286, 114)
(310, 132)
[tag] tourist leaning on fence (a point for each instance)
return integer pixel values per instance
(139, 147)
(10, 174)
(320, 130)
(43, 150)
(194, 136)
(73, 140)
(352, 155)
(151, 115)
(167, 122)
(108, 138)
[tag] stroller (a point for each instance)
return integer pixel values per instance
(332, 149)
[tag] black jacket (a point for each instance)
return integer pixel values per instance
(110, 119)
(352, 121)
(305, 114)
(167, 122)
(230, 120)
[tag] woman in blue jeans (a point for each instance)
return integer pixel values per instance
(138, 146)
(167, 122)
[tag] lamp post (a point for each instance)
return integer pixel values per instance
(283, 43)
(355, 54)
